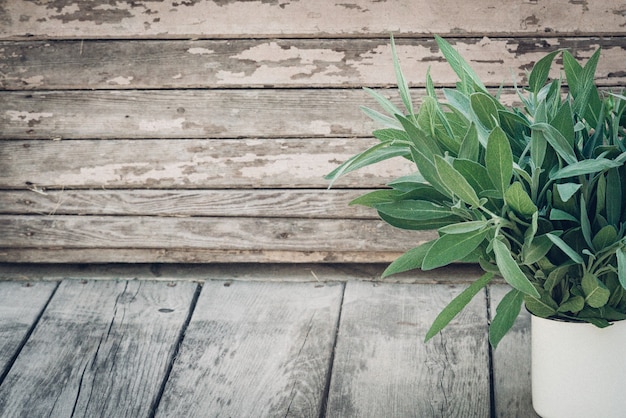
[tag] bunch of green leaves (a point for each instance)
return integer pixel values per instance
(533, 193)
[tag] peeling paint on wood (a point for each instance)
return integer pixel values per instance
(188, 164)
(293, 18)
(283, 63)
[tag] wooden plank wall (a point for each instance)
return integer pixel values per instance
(199, 131)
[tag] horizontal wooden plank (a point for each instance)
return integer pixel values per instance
(292, 18)
(383, 368)
(189, 164)
(281, 63)
(255, 349)
(183, 114)
(102, 348)
(275, 113)
(235, 234)
(188, 255)
(285, 203)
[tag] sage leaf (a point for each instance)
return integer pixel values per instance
(450, 248)
(458, 63)
(574, 304)
(507, 311)
(569, 251)
(511, 271)
(463, 227)
(540, 72)
(455, 182)
(585, 167)
(457, 304)
(543, 306)
(621, 266)
(419, 210)
(556, 139)
(410, 260)
(536, 250)
(403, 86)
(596, 292)
(499, 160)
(567, 190)
(614, 196)
(518, 200)
(485, 110)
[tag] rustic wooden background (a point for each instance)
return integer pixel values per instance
(200, 131)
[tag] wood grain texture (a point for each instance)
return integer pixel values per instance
(283, 203)
(255, 349)
(21, 303)
(189, 255)
(237, 234)
(100, 349)
(511, 364)
(294, 63)
(187, 114)
(382, 367)
(189, 164)
(292, 18)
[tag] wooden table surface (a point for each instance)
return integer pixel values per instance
(230, 346)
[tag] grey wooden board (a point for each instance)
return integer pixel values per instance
(511, 364)
(255, 350)
(382, 367)
(101, 349)
(232, 239)
(292, 18)
(189, 164)
(283, 203)
(231, 113)
(208, 233)
(301, 63)
(21, 303)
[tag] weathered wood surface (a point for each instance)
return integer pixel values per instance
(296, 63)
(292, 18)
(263, 348)
(132, 115)
(188, 164)
(272, 239)
(383, 368)
(511, 364)
(100, 349)
(255, 349)
(289, 203)
(20, 306)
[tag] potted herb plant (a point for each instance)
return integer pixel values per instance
(535, 194)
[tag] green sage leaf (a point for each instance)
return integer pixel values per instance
(569, 251)
(457, 304)
(455, 182)
(518, 200)
(511, 271)
(507, 311)
(451, 248)
(410, 260)
(596, 293)
(499, 160)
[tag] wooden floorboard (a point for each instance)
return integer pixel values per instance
(256, 344)
(100, 349)
(21, 303)
(383, 368)
(255, 349)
